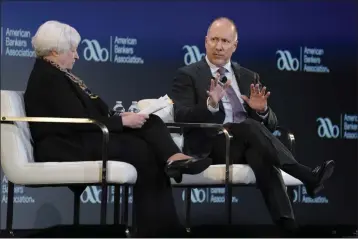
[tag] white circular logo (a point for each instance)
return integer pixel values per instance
(197, 195)
(295, 195)
(91, 194)
(193, 54)
(327, 129)
(93, 51)
(286, 61)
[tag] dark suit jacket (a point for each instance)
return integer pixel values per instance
(190, 103)
(50, 93)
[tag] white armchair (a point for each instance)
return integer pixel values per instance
(17, 162)
(224, 175)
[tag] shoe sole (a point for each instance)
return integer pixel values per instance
(191, 168)
(197, 167)
(327, 174)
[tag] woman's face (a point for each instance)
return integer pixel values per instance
(67, 59)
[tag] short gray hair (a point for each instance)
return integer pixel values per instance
(225, 19)
(54, 36)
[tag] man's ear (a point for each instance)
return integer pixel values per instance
(235, 44)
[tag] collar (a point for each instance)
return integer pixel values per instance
(215, 68)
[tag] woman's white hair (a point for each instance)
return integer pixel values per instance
(55, 36)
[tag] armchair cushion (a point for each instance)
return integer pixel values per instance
(241, 174)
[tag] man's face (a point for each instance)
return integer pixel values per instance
(220, 42)
(67, 59)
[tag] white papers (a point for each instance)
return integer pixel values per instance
(151, 106)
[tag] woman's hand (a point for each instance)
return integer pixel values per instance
(133, 120)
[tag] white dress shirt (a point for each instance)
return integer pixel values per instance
(226, 103)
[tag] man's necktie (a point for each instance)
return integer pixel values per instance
(238, 112)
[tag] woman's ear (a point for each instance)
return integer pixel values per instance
(54, 53)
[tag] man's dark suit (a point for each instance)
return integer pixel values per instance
(50, 93)
(190, 98)
(189, 94)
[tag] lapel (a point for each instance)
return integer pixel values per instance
(244, 78)
(241, 78)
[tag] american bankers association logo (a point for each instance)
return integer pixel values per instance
(198, 195)
(300, 196)
(308, 60)
(192, 54)
(208, 195)
(120, 50)
(20, 195)
(347, 128)
(16, 42)
(326, 129)
(94, 51)
(286, 61)
(93, 195)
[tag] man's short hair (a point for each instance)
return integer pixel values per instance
(227, 19)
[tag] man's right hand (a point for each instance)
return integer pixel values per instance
(217, 92)
(133, 120)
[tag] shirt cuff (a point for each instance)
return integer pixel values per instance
(210, 108)
(265, 114)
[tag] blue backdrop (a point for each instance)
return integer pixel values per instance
(305, 52)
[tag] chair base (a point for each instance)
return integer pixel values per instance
(203, 231)
(6, 234)
(271, 231)
(80, 231)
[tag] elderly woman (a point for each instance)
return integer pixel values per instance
(141, 140)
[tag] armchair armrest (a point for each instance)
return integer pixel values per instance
(289, 136)
(196, 125)
(105, 132)
(220, 128)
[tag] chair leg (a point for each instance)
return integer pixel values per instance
(124, 218)
(125, 205)
(117, 199)
(134, 225)
(228, 202)
(10, 208)
(76, 207)
(104, 198)
(187, 208)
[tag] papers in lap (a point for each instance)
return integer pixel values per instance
(162, 107)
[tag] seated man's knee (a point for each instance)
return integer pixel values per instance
(249, 129)
(252, 123)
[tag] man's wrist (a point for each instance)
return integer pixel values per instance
(212, 103)
(264, 111)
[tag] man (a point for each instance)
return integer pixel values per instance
(200, 94)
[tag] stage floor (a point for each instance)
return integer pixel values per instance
(204, 231)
